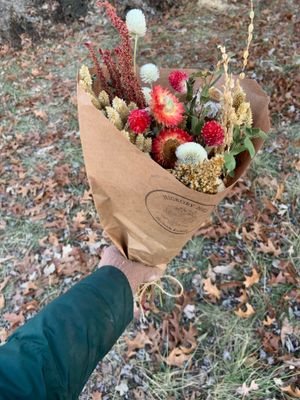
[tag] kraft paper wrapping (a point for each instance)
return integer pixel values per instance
(148, 214)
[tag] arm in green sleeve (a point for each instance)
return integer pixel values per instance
(53, 354)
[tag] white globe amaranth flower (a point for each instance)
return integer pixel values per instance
(191, 153)
(221, 185)
(212, 108)
(149, 73)
(147, 94)
(136, 22)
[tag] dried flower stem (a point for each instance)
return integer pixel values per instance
(113, 71)
(250, 36)
(99, 72)
(227, 102)
(135, 51)
(124, 79)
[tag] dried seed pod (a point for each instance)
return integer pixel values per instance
(114, 117)
(120, 106)
(104, 99)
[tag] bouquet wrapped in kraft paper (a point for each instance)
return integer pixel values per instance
(163, 147)
(148, 214)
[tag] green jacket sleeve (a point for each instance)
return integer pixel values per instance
(54, 353)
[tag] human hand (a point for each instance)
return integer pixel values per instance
(136, 273)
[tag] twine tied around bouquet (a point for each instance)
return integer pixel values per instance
(157, 283)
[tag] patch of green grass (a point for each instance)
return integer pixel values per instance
(21, 235)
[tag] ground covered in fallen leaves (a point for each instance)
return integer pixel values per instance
(235, 332)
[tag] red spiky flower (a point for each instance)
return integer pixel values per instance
(166, 143)
(139, 121)
(165, 107)
(178, 80)
(213, 133)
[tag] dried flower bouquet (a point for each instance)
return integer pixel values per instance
(196, 137)
(200, 127)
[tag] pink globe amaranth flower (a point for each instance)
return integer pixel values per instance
(178, 80)
(165, 107)
(213, 133)
(139, 121)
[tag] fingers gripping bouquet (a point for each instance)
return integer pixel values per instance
(163, 147)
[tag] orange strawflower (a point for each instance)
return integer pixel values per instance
(165, 145)
(165, 107)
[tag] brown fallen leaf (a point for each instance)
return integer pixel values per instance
(293, 294)
(35, 72)
(211, 289)
(244, 390)
(244, 296)
(280, 191)
(292, 391)
(79, 220)
(286, 329)
(137, 343)
(268, 321)
(177, 357)
(270, 341)
(289, 360)
(139, 394)
(252, 279)
(250, 236)
(29, 288)
(2, 301)
(270, 206)
(41, 114)
(245, 314)
(269, 248)
(14, 319)
(189, 338)
(297, 165)
(276, 280)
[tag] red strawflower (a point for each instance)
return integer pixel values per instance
(165, 107)
(178, 80)
(166, 143)
(139, 121)
(213, 133)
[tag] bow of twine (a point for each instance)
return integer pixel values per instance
(157, 283)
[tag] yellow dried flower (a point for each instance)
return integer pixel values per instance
(242, 113)
(143, 144)
(214, 94)
(250, 36)
(114, 117)
(238, 99)
(86, 87)
(85, 75)
(227, 116)
(148, 145)
(96, 103)
(239, 96)
(132, 106)
(203, 177)
(86, 83)
(249, 117)
(126, 134)
(132, 137)
(104, 99)
(120, 106)
(139, 142)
